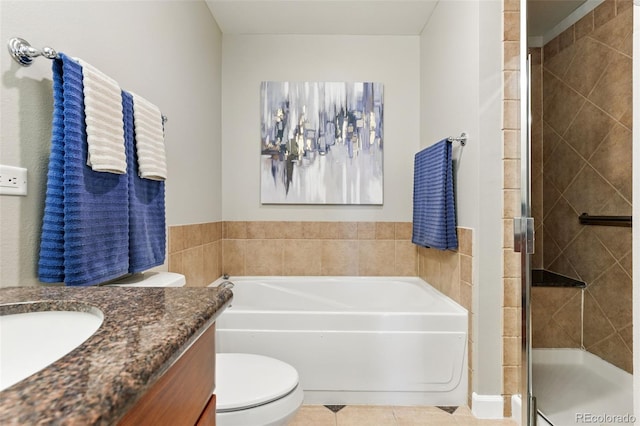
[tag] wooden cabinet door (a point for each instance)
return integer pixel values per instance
(181, 395)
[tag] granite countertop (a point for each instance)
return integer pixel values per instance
(144, 331)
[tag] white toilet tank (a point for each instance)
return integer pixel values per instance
(151, 279)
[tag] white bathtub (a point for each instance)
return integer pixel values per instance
(353, 340)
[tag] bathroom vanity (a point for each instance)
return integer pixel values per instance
(151, 361)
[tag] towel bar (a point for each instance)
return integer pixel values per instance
(462, 139)
(23, 53)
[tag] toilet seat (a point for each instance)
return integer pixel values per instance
(255, 390)
(248, 380)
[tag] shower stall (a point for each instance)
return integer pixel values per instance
(580, 142)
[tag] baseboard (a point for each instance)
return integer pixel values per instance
(516, 409)
(516, 412)
(487, 406)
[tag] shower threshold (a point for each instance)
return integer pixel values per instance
(576, 387)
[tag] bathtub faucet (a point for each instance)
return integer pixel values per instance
(226, 285)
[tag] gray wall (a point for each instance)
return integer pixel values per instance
(248, 60)
(461, 90)
(168, 52)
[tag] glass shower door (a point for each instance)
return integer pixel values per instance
(579, 181)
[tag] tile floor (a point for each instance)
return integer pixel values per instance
(369, 415)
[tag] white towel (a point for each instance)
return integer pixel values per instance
(152, 163)
(103, 118)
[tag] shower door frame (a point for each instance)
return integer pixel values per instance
(524, 227)
(636, 206)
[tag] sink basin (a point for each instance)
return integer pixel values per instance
(31, 341)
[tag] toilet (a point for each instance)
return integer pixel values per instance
(251, 389)
(255, 390)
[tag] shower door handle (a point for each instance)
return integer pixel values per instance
(534, 409)
(523, 235)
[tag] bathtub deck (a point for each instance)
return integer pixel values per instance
(362, 415)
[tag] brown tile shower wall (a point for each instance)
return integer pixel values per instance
(556, 317)
(586, 151)
(318, 248)
(451, 272)
(556, 312)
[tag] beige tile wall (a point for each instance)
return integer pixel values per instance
(586, 101)
(511, 341)
(196, 252)
(451, 272)
(318, 248)
(203, 252)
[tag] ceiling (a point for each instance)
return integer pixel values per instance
(355, 17)
(344, 17)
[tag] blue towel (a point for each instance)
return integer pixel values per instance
(95, 210)
(434, 215)
(51, 260)
(147, 236)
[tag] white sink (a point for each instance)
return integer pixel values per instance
(31, 341)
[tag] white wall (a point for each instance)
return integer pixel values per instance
(168, 52)
(249, 60)
(461, 90)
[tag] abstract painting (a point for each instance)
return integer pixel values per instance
(321, 143)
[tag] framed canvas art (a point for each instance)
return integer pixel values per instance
(321, 143)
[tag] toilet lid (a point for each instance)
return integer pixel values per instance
(248, 380)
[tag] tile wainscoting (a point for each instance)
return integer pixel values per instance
(451, 272)
(203, 252)
(319, 248)
(196, 252)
